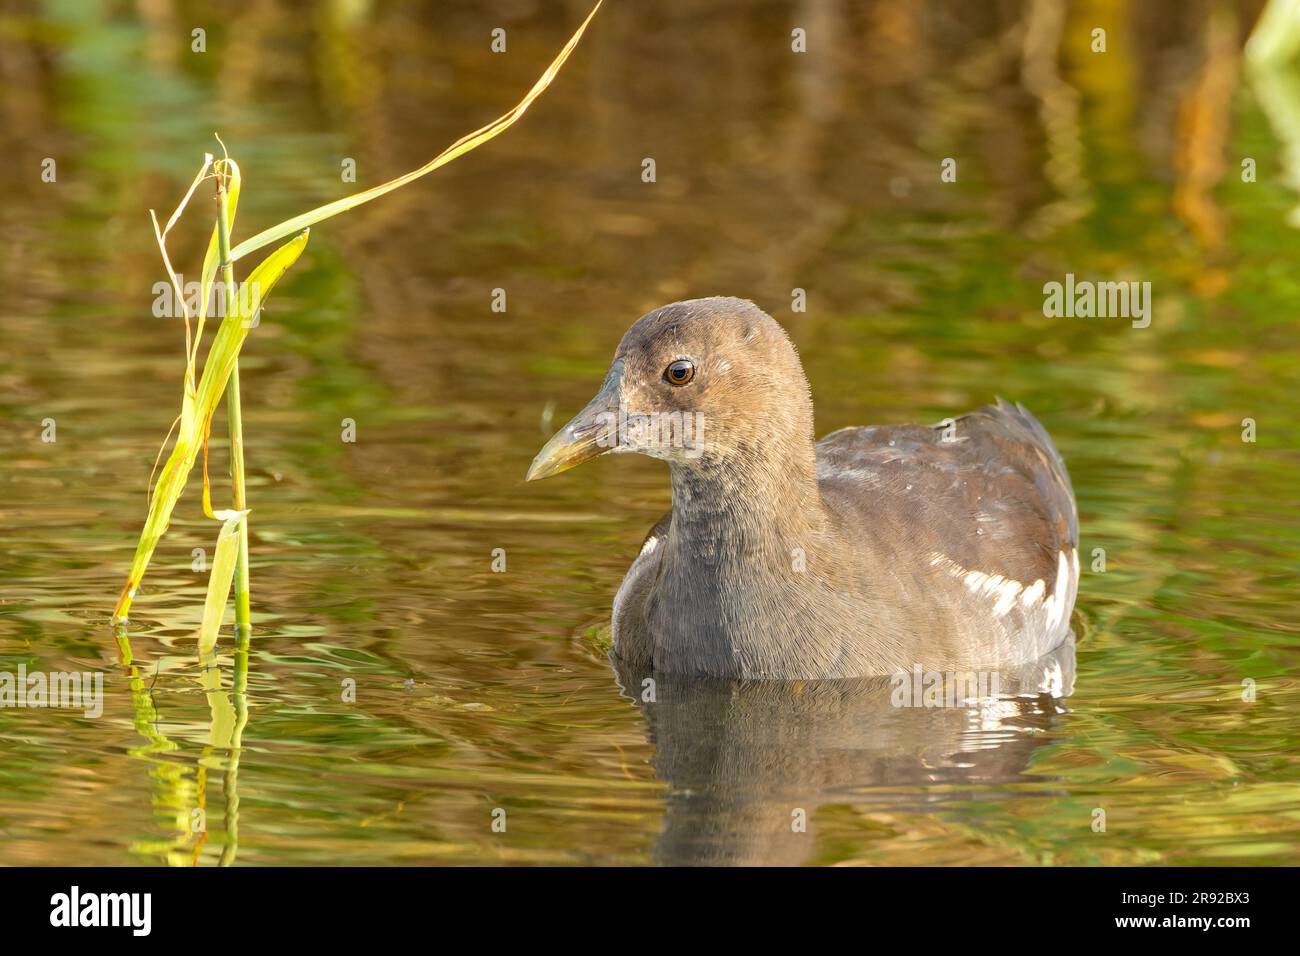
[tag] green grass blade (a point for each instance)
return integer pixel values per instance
(221, 359)
(161, 235)
(240, 313)
(211, 259)
(220, 579)
(200, 403)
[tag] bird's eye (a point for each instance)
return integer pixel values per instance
(679, 372)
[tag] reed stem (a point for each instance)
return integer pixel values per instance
(243, 610)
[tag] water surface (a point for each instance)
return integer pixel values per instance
(372, 561)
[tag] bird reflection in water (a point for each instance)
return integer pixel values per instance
(748, 763)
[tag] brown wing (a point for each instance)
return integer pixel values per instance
(987, 493)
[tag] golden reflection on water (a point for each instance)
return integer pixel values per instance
(371, 561)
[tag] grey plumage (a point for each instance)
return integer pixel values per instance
(951, 547)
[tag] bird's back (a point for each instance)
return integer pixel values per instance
(968, 527)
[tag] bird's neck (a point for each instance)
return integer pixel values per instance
(746, 515)
(729, 568)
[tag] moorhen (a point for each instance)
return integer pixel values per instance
(951, 547)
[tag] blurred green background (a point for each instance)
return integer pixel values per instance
(775, 171)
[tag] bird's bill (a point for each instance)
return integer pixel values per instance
(591, 433)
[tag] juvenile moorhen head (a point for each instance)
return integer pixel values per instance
(952, 547)
(706, 384)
